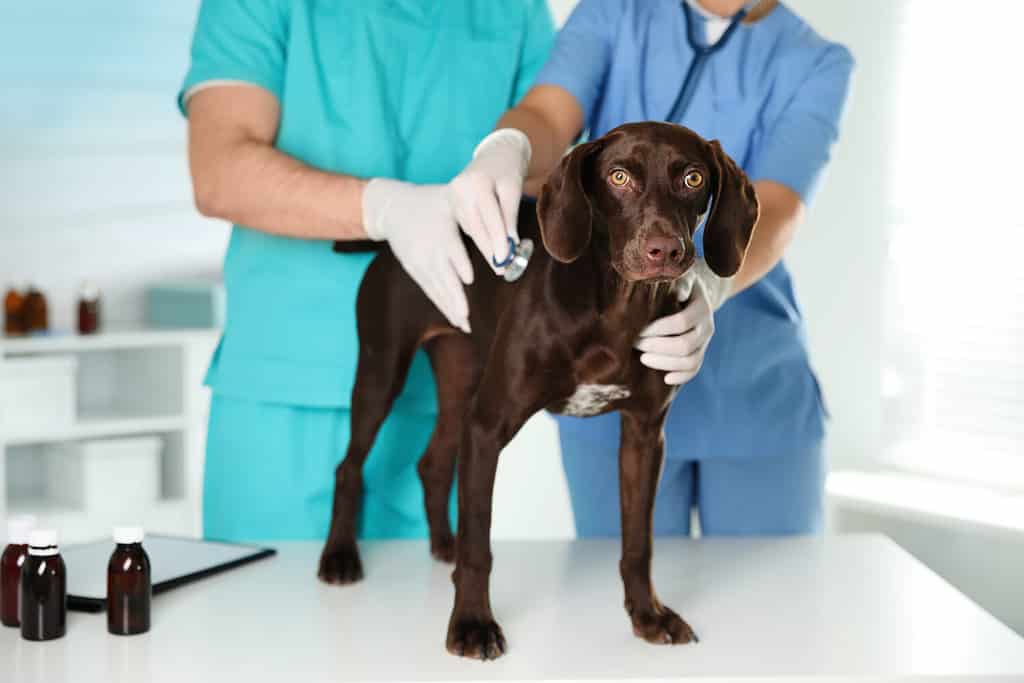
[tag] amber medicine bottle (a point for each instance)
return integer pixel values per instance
(14, 302)
(18, 529)
(35, 315)
(129, 584)
(88, 309)
(44, 593)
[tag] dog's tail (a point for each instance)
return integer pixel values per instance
(357, 246)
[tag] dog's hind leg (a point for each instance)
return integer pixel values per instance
(379, 379)
(456, 370)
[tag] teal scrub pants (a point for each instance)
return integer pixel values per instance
(270, 472)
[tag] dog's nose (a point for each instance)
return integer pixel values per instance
(664, 250)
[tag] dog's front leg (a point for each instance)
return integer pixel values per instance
(505, 399)
(472, 630)
(640, 460)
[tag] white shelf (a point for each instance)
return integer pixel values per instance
(113, 337)
(93, 427)
(929, 500)
(130, 380)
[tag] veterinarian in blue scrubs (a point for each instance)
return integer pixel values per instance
(745, 433)
(293, 104)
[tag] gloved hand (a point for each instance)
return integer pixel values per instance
(418, 225)
(485, 196)
(676, 343)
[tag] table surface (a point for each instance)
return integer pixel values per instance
(838, 608)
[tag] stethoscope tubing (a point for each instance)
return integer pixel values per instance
(700, 57)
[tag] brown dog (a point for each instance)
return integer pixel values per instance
(617, 219)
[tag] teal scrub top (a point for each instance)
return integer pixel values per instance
(398, 88)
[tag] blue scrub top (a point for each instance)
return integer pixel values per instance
(773, 95)
(401, 89)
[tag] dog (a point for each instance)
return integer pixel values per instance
(616, 218)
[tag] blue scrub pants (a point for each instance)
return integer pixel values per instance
(269, 472)
(732, 496)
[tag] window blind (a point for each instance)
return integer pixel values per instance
(953, 325)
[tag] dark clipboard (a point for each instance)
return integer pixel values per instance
(174, 562)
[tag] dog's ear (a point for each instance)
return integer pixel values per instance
(564, 210)
(734, 212)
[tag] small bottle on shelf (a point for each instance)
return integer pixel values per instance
(129, 584)
(14, 318)
(88, 309)
(35, 315)
(44, 593)
(18, 529)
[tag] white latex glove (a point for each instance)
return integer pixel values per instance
(677, 343)
(418, 224)
(485, 196)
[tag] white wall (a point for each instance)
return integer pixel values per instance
(93, 177)
(837, 255)
(837, 260)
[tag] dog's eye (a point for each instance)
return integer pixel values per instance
(618, 177)
(694, 179)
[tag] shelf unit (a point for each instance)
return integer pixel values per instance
(131, 381)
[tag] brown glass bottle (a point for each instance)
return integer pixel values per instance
(44, 594)
(14, 318)
(88, 309)
(129, 584)
(35, 314)
(13, 558)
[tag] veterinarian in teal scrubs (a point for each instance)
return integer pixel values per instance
(292, 105)
(744, 436)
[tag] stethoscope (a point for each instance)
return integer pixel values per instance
(701, 53)
(517, 260)
(519, 254)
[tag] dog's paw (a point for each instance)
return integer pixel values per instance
(442, 548)
(663, 627)
(477, 639)
(340, 565)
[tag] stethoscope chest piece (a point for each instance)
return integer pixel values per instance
(517, 260)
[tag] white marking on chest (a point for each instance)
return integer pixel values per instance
(591, 399)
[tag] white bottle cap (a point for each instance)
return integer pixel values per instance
(42, 538)
(128, 534)
(18, 529)
(88, 291)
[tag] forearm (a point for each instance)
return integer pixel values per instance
(781, 212)
(551, 119)
(238, 175)
(544, 145)
(256, 185)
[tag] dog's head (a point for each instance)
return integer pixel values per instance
(647, 186)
